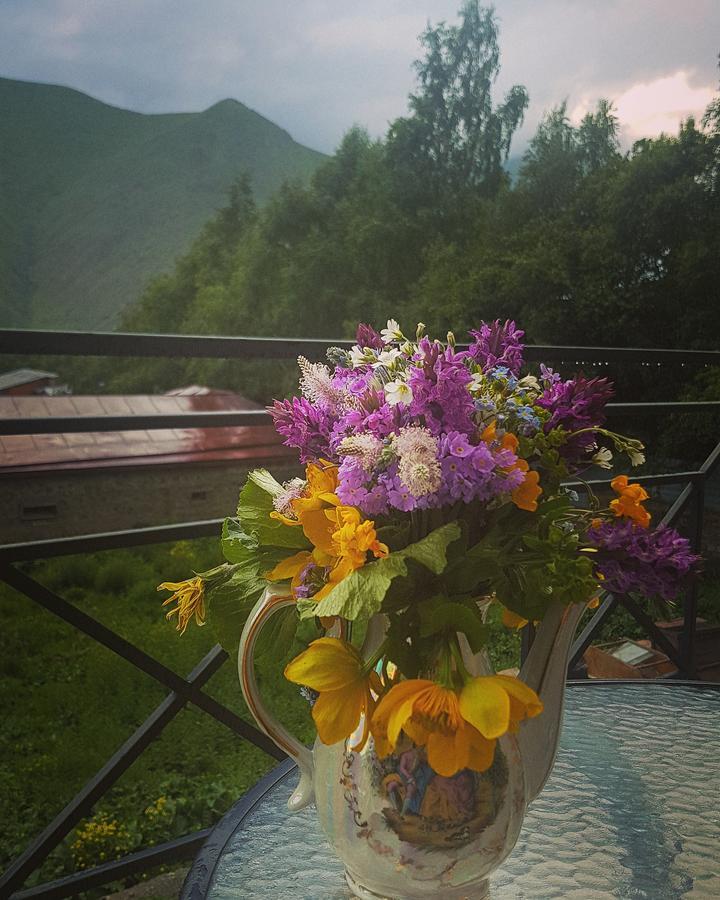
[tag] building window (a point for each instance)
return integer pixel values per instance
(40, 512)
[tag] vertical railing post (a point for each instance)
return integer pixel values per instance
(527, 636)
(688, 637)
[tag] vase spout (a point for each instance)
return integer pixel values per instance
(545, 671)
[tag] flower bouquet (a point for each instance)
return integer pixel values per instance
(433, 492)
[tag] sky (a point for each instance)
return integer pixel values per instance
(316, 67)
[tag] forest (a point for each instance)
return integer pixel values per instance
(586, 244)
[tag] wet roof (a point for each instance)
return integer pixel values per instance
(18, 377)
(119, 449)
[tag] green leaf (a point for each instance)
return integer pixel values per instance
(479, 564)
(363, 591)
(237, 545)
(437, 616)
(242, 548)
(431, 551)
(254, 508)
(277, 636)
(230, 603)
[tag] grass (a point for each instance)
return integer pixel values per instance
(69, 704)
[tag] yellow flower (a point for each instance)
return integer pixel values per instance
(341, 540)
(430, 716)
(511, 619)
(335, 669)
(350, 542)
(190, 598)
(629, 501)
(495, 704)
(319, 493)
(459, 730)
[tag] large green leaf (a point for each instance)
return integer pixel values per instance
(431, 551)
(277, 636)
(363, 591)
(254, 507)
(439, 615)
(242, 548)
(230, 603)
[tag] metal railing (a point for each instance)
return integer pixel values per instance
(189, 689)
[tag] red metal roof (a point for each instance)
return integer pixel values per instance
(112, 449)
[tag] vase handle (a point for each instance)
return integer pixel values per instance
(269, 604)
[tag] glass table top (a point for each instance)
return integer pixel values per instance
(631, 810)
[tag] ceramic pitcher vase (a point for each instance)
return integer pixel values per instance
(400, 829)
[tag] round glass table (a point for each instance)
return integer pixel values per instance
(631, 810)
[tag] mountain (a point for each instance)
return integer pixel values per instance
(95, 200)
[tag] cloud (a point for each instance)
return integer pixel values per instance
(317, 66)
(650, 108)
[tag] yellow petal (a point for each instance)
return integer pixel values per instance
(318, 529)
(511, 619)
(388, 705)
(289, 567)
(284, 519)
(448, 753)
(481, 750)
(486, 705)
(524, 702)
(328, 664)
(337, 713)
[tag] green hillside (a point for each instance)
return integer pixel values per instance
(94, 200)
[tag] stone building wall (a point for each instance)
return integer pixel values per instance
(41, 505)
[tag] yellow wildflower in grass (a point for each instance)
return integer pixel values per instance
(335, 669)
(459, 730)
(629, 501)
(190, 598)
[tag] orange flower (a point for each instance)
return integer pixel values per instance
(629, 501)
(430, 716)
(525, 496)
(459, 730)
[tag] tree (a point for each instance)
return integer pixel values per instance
(456, 140)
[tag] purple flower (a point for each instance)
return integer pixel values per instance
(439, 382)
(401, 498)
(353, 381)
(652, 563)
(304, 425)
(498, 345)
(548, 376)
(310, 580)
(575, 404)
(366, 336)
(457, 444)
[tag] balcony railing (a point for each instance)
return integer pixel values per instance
(189, 689)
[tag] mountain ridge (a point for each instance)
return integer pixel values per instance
(95, 199)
